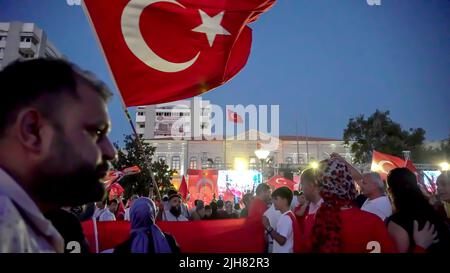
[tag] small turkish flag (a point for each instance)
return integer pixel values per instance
(234, 117)
(167, 50)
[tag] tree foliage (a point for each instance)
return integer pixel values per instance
(133, 155)
(379, 132)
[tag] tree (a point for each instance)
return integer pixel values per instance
(132, 155)
(379, 132)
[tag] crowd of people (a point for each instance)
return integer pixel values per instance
(54, 151)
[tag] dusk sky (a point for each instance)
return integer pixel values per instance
(323, 61)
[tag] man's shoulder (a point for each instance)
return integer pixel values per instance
(7, 209)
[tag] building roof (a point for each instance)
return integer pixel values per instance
(285, 138)
(309, 138)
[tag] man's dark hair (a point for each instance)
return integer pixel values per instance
(25, 83)
(171, 192)
(283, 192)
(262, 188)
(309, 176)
(220, 204)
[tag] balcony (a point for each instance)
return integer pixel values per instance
(3, 43)
(27, 48)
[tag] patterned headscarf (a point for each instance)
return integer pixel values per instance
(337, 191)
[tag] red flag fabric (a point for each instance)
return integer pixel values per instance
(131, 170)
(297, 233)
(115, 191)
(234, 117)
(202, 185)
(279, 181)
(183, 190)
(154, 60)
(216, 236)
(111, 177)
(384, 163)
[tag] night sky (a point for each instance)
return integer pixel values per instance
(323, 61)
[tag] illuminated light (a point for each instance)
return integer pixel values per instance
(240, 164)
(314, 164)
(375, 167)
(444, 166)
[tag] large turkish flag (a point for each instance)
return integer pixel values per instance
(166, 50)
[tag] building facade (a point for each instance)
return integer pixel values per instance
(174, 119)
(292, 152)
(24, 41)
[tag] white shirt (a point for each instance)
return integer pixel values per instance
(107, 215)
(284, 228)
(380, 206)
(23, 227)
(127, 214)
(313, 208)
(273, 215)
(168, 216)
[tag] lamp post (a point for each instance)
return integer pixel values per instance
(262, 156)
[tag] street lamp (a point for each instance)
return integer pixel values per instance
(262, 156)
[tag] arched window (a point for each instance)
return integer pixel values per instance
(193, 162)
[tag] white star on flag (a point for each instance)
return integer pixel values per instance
(211, 26)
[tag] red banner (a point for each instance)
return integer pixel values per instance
(202, 185)
(213, 236)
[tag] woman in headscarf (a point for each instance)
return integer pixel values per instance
(339, 226)
(146, 237)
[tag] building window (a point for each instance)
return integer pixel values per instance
(141, 135)
(175, 162)
(142, 125)
(2, 38)
(159, 114)
(162, 158)
(288, 160)
(140, 113)
(25, 39)
(193, 163)
(218, 161)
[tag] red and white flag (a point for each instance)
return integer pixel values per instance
(384, 163)
(167, 50)
(234, 117)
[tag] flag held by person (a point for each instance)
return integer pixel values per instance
(383, 163)
(154, 60)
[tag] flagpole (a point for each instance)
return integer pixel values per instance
(306, 135)
(124, 107)
(296, 133)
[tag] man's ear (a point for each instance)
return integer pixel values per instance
(29, 122)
